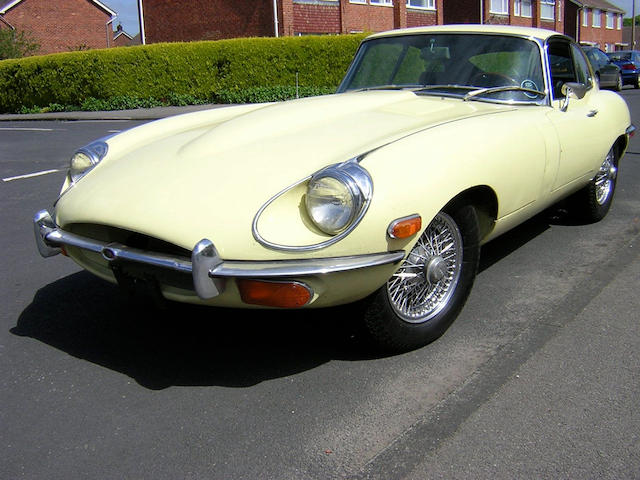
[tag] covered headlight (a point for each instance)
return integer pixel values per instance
(85, 159)
(336, 196)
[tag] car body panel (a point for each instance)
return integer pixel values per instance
(606, 71)
(238, 176)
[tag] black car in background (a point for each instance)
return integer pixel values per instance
(608, 74)
(629, 63)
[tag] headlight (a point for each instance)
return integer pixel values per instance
(85, 159)
(336, 196)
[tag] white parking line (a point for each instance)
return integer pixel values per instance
(25, 129)
(30, 175)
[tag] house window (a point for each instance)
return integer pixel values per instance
(610, 18)
(429, 4)
(619, 27)
(381, 2)
(548, 9)
(358, 1)
(585, 17)
(500, 7)
(597, 21)
(522, 8)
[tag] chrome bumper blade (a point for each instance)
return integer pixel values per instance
(209, 271)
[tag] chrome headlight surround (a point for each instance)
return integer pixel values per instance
(85, 159)
(335, 196)
(356, 182)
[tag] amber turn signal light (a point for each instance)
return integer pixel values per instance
(274, 294)
(405, 227)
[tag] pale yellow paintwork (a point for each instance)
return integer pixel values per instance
(206, 174)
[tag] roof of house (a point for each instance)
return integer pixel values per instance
(122, 32)
(599, 4)
(98, 4)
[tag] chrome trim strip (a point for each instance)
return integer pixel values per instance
(206, 266)
(630, 130)
(303, 268)
(359, 176)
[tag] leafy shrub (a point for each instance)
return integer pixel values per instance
(230, 71)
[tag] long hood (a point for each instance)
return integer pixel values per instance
(205, 174)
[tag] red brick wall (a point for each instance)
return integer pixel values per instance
(175, 21)
(421, 18)
(366, 18)
(62, 25)
(309, 18)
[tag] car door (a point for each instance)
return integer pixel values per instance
(579, 126)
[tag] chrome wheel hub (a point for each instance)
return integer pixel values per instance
(428, 277)
(605, 179)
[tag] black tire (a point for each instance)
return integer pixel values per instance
(618, 86)
(442, 274)
(636, 82)
(592, 203)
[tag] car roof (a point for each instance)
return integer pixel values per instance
(528, 32)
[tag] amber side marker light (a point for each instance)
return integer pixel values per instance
(274, 294)
(405, 227)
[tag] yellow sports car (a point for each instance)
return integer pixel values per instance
(438, 140)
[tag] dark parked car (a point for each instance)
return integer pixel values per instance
(608, 74)
(629, 63)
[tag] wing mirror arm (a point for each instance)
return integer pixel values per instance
(579, 90)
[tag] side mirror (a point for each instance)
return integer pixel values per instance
(579, 90)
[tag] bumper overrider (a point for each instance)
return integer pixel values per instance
(208, 270)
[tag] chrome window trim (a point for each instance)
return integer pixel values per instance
(538, 41)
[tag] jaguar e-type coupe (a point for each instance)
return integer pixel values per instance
(438, 140)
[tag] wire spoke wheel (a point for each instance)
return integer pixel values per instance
(426, 280)
(605, 179)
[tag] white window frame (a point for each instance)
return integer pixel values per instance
(585, 17)
(548, 6)
(386, 3)
(499, 7)
(610, 20)
(619, 26)
(596, 18)
(358, 1)
(424, 4)
(526, 8)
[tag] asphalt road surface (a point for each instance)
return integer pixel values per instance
(538, 378)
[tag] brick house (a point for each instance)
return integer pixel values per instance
(123, 39)
(601, 25)
(61, 25)
(217, 19)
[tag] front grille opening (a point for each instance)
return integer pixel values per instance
(105, 233)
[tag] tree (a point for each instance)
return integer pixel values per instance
(627, 21)
(16, 44)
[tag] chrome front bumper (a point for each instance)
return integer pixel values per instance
(209, 271)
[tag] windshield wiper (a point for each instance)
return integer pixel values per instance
(386, 87)
(510, 88)
(427, 89)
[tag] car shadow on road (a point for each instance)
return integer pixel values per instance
(180, 345)
(187, 345)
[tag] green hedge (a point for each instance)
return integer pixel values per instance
(224, 71)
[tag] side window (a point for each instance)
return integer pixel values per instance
(567, 63)
(583, 74)
(560, 66)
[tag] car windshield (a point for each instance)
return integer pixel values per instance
(471, 66)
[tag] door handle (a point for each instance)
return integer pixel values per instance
(592, 113)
